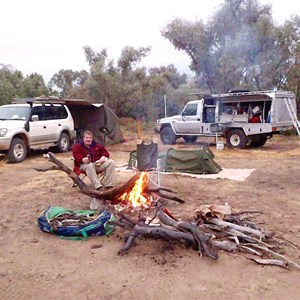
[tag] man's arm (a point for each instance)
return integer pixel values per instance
(78, 154)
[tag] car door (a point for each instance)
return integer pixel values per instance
(190, 122)
(38, 132)
(53, 122)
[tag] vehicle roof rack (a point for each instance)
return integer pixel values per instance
(240, 93)
(43, 100)
(249, 93)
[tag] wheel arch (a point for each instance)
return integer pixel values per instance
(236, 138)
(164, 125)
(23, 137)
(228, 129)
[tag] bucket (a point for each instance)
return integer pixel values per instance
(220, 146)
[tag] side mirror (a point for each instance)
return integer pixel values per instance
(35, 118)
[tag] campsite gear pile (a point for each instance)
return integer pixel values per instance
(76, 224)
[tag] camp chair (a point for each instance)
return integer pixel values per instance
(101, 174)
(145, 158)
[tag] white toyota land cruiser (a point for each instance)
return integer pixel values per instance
(34, 124)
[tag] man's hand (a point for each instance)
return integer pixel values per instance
(86, 160)
(101, 160)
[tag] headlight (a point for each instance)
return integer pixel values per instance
(3, 131)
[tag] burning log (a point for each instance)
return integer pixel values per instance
(114, 195)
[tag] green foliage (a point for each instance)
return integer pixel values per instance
(34, 86)
(69, 83)
(239, 47)
(130, 90)
(14, 85)
(7, 92)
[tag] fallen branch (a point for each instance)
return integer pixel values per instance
(276, 255)
(155, 232)
(270, 262)
(224, 224)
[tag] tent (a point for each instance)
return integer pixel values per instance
(96, 117)
(197, 161)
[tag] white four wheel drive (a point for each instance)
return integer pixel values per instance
(34, 124)
(242, 117)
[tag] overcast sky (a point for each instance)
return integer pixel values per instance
(45, 36)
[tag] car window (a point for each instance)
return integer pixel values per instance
(190, 109)
(14, 112)
(55, 112)
(50, 112)
(38, 110)
(59, 112)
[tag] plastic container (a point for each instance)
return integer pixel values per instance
(220, 146)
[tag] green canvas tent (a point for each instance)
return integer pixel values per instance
(197, 161)
(96, 117)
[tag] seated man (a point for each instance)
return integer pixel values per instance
(93, 158)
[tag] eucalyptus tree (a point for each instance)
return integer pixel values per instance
(128, 88)
(68, 83)
(116, 84)
(10, 83)
(240, 46)
(34, 85)
(14, 85)
(289, 75)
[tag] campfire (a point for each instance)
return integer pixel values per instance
(137, 197)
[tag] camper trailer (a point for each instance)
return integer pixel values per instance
(242, 118)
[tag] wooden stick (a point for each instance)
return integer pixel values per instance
(244, 229)
(276, 254)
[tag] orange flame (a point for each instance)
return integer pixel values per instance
(136, 197)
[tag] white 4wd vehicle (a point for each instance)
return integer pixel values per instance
(241, 117)
(34, 124)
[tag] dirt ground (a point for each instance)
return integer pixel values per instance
(37, 265)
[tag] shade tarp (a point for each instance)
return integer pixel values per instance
(98, 118)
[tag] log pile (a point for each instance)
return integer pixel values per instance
(208, 233)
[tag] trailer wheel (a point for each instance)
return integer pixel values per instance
(259, 143)
(190, 138)
(17, 151)
(236, 138)
(168, 136)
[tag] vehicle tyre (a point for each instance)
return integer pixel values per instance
(259, 143)
(63, 144)
(236, 138)
(190, 138)
(17, 151)
(168, 136)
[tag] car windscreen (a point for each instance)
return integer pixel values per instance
(14, 112)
